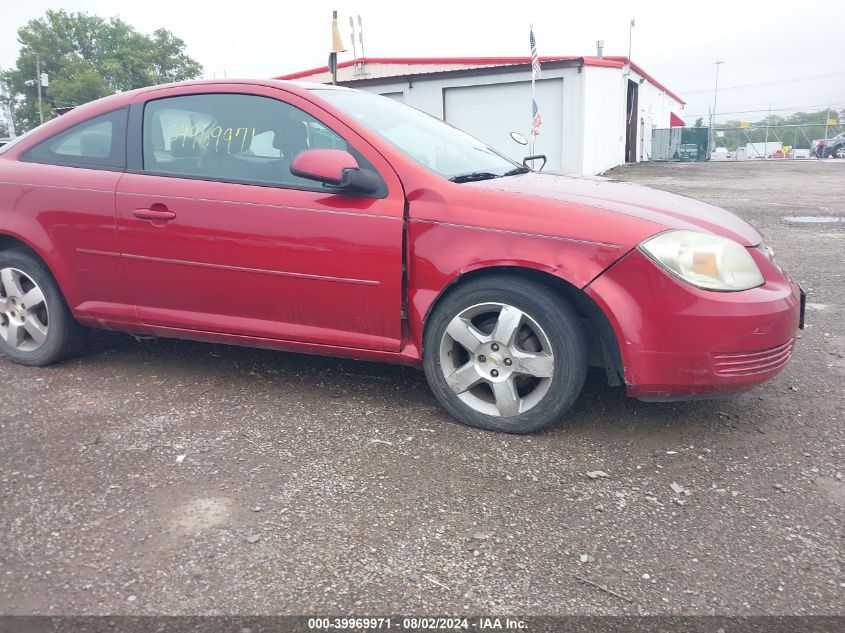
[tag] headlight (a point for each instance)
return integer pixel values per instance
(704, 260)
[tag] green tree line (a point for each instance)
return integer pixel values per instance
(87, 57)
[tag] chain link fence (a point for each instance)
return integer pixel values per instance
(748, 142)
(679, 143)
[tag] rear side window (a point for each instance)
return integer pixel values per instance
(237, 138)
(99, 142)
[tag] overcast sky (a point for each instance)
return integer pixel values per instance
(773, 42)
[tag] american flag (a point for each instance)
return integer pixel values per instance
(535, 58)
(536, 119)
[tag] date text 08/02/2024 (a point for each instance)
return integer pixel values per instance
(417, 623)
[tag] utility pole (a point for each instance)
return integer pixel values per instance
(713, 111)
(38, 83)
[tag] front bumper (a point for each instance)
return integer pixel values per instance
(678, 341)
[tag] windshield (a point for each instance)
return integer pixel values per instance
(429, 141)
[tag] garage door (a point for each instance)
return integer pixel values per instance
(491, 112)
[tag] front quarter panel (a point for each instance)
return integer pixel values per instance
(441, 252)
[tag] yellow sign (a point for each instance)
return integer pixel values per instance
(744, 124)
(831, 121)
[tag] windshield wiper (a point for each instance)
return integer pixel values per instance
(486, 175)
(472, 177)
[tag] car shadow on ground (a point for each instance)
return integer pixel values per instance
(600, 409)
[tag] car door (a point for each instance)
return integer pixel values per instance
(218, 236)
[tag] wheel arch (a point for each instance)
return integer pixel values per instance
(9, 241)
(603, 346)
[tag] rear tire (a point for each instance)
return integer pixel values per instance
(504, 354)
(839, 151)
(36, 326)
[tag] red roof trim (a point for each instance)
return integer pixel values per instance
(600, 62)
(422, 61)
(639, 70)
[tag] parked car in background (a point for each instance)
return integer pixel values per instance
(834, 147)
(4, 140)
(326, 220)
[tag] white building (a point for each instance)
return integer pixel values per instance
(597, 112)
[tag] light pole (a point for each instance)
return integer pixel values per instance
(713, 112)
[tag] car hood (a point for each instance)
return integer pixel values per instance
(659, 209)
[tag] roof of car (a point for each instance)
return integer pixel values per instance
(281, 83)
(122, 98)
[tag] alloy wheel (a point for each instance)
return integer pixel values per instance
(497, 359)
(24, 318)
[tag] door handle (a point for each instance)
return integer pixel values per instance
(156, 213)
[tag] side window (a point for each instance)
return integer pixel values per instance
(98, 143)
(232, 138)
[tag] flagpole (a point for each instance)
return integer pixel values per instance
(533, 101)
(536, 118)
(533, 88)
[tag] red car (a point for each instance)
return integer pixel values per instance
(326, 220)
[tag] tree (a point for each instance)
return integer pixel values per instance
(699, 122)
(88, 57)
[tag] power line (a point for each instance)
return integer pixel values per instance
(822, 106)
(765, 83)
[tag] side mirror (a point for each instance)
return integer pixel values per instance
(337, 168)
(323, 165)
(519, 138)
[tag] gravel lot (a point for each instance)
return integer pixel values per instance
(170, 477)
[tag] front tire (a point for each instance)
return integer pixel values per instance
(505, 355)
(36, 326)
(839, 151)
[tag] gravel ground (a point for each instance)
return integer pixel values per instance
(171, 477)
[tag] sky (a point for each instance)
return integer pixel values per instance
(782, 54)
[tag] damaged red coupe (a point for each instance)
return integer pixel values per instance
(327, 220)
